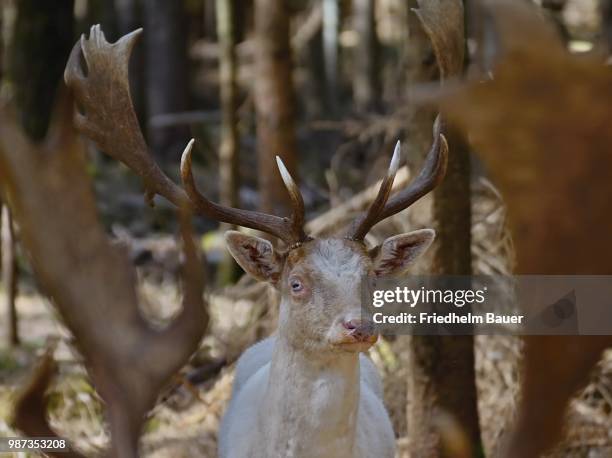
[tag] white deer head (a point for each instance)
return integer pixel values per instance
(320, 283)
(320, 279)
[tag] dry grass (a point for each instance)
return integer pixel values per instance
(185, 423)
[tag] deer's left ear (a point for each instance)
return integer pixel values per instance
(396, 253)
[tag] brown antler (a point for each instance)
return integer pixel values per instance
(110, 121)
(108, 116)
(91, 281)
(290, 230)
(431, 174)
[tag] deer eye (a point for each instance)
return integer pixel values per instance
(296, 285)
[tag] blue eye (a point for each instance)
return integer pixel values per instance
(296, 285)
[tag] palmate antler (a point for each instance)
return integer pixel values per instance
(91, 282)
(109, 119)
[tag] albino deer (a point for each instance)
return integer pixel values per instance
(307, 391)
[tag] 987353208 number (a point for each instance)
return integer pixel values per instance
(33, 444)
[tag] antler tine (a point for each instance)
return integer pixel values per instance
(363, 224)
(111, 121)
(297, 202)
(283, 228)
(430, 176)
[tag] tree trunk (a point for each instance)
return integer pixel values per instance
(166, 74)
(366, 85)
(210, 18)
(331, 29)
(606, 21)
(9, 275)
(129, 18)
(310, 56)
(7, 242)
(274, 102)
(229, 145)
(2, 47)
(442, 373)
(228, 150)
(42, 39)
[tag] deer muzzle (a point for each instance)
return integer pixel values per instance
(360, 331)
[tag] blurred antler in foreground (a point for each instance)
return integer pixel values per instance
(31, 406)
(90, 281)
(542, 127)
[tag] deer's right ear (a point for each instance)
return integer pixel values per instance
(255, 255)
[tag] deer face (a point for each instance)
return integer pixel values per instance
(320, 284)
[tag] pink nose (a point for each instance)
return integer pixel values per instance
(360, 329)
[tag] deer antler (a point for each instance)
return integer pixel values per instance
(108, 116)
(290, 230)
(90, 280)
(110, 121)
(431, 174)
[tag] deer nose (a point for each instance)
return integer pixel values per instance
(361, 330)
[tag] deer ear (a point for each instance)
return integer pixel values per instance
(396, 253)
(255, 255)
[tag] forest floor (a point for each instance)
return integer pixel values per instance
(186, 420)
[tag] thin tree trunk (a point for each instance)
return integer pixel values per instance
(228, 151)
(2, 34)
(331, 29)
(129, 18)
(9, 275)
(605, 8)
(41, 41)
(442, 375)
(310, 56)
(316, 101)
(210, 18)
(166, 73)
(7, 242)
(366, 84)
(274, 102)
(229, 147)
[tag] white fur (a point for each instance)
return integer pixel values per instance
(305, 406)
(301, 393)
(260, 354)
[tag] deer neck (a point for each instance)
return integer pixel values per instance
(311, 403)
